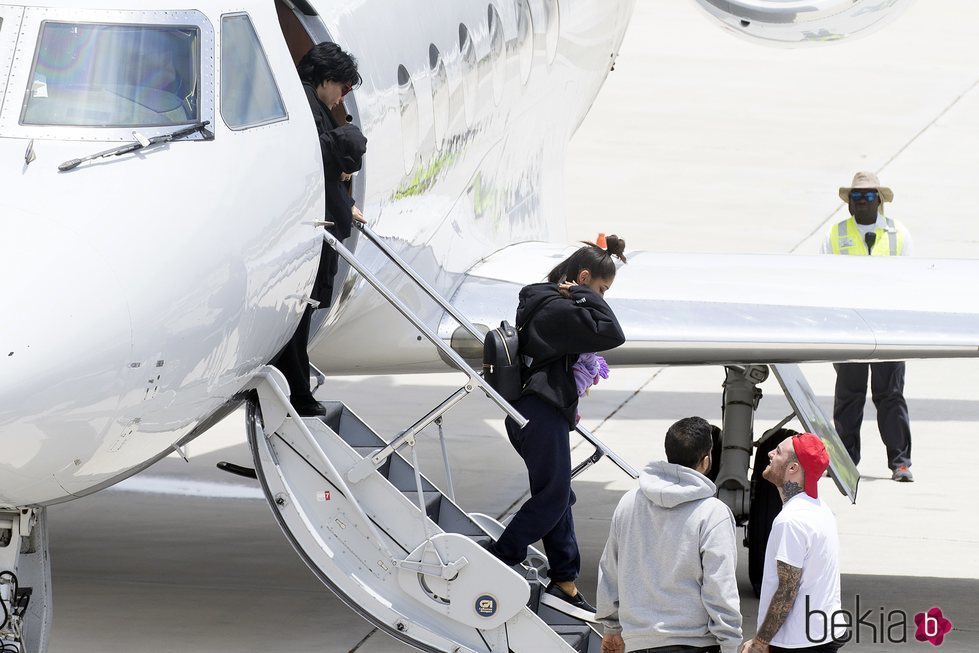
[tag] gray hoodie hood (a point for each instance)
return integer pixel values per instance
(668, 485)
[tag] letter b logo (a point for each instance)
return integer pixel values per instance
(816, 635)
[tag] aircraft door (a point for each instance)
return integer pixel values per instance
(297, 38)
(301, 29)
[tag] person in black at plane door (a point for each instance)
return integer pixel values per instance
(328, 74)
(557, 321)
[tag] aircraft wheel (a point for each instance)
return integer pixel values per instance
(765, 506)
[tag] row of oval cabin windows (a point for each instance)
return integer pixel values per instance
(493, 65)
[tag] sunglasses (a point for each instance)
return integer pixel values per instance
(346, 89)
(869, 195)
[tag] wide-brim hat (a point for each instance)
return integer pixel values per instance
(866, 180)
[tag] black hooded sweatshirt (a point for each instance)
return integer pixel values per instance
(559, 329)
(342, 148)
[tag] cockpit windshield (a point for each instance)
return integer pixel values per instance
(102, 75)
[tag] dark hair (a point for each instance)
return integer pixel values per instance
(688, 441)
(327, 62)
(593, 258)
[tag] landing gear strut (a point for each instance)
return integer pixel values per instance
(25, 581)
(755, 503)
(741, 397)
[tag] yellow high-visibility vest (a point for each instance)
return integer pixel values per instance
(845, 238)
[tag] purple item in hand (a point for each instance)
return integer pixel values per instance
(588, 369)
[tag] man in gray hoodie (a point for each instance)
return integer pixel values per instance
(666, 581)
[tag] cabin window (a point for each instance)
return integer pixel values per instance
(249, 95)
(552, 28)
(409, 117)
(470, 83)
(497, 64)
(440, 95)
(103, 75)
(524, 42)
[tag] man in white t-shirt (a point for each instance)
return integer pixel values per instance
(800, 591)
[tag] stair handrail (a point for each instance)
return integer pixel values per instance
(432, 337)
(424, 285)
(600, 447)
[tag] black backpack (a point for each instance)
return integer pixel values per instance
(501, 361)
(502, 367)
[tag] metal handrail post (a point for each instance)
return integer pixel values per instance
(445, 461)
(362, 469)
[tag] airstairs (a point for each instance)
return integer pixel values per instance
(393, 546)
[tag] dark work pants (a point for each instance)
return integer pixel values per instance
(887, 392)
(545, 448)
(293, 362)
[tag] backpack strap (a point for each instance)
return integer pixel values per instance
(536, 365)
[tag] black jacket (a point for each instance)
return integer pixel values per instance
(342, 148)
(559, 329)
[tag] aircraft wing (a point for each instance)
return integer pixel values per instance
(727, 308)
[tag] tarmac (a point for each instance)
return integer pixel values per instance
(699, 142)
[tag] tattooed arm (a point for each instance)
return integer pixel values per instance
(789, 580)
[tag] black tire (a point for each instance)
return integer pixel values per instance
(715, 453)
(765, 506)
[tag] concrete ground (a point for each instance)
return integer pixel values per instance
(699, 142)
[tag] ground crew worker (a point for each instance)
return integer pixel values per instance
(868, 232)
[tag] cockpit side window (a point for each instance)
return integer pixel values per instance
(112, 75)
(249, 96)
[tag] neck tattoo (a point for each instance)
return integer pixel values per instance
(790, 489)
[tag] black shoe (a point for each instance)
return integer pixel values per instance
(575, 606)
(315, 409)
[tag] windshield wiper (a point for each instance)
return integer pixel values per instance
(142, 142)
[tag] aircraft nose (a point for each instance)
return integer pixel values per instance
(65, 336)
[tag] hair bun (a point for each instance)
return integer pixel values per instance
(615, 246)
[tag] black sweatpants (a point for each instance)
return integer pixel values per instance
(887, 392)
(545, 448)
(293, 362)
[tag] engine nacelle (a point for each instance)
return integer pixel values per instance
(791, 23)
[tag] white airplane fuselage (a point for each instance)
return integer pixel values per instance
(142, 292)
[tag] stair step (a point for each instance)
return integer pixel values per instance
(433, 501)
(577, 637)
